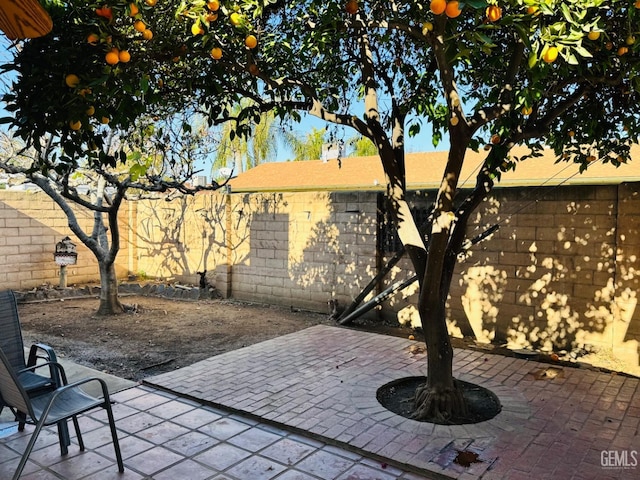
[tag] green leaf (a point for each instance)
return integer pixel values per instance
(580, 50)
(477, 4)
(566, 12)
(136, 171)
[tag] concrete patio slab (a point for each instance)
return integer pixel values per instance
(165, 437)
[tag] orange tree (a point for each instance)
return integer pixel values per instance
(494, 73)
(91, 107)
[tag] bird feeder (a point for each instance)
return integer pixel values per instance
(64, 255)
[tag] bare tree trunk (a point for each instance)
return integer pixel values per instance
(439, 398)
(109, 303)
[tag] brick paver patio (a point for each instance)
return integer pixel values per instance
(322, 381)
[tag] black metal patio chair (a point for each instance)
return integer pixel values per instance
(12, 344)
(53, 406)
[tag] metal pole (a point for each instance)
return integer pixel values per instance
(63, 276)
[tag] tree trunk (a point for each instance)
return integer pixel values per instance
(439, 399)
(109, 303)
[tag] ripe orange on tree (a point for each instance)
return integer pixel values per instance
(453, 9)
(213, 5)
(251, 42)
(139, 26)
(133, 9)
(151, 3)
(494, 13)
(75, 125)
(216, 53)
(438, 6)
(147, 34)
(495, 139)
(593, 35)
(72, 80)
(93, 38)
(105, 12)
(112, 57)
(550, 55)
(124, 56)
(623, 50)
(351, 7)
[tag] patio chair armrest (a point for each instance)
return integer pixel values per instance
(79, 383)
(56, 371)
(48, 354)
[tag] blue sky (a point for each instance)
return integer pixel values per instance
(419, 143)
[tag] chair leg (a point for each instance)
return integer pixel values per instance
(76, 425)
(27, 452)
(21, 417)
(63, 437)
(114, 435)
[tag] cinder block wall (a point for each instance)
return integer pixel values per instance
(303, 249)
(31, 224)
(542, 275)
(560, 273)
(178, 238)
(625, 330)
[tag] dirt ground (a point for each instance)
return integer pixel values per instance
(159, 335)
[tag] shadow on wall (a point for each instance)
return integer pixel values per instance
(336, 248)
(181, 237)
(564, 278)
(307, 249)
(561, 273)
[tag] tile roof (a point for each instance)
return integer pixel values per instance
(424, 171)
